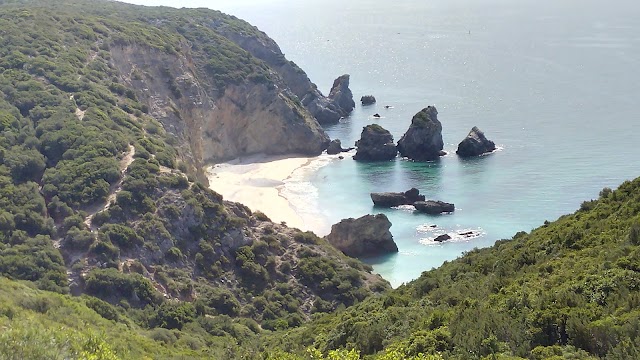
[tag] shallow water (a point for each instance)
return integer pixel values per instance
(554, 83)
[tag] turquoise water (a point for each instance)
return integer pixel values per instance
(554, 83)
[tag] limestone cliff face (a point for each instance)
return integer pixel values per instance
(214, 124)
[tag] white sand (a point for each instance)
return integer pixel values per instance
(257, 181)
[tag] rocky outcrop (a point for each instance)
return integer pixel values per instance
(423, 139)
(434, 207)
(475, 144)
(442, 238)
(390, 199)
(375, 144)
(366, 236)
(335, 147)
(241, 119)
(292, 77)
(368, 100)
(341, 95)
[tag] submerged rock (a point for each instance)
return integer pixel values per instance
(341, 95)
(475, 144)
(423, 139)
(366, 236)
(434, 207)
(390, 199)
(368, 100)
(375, 144)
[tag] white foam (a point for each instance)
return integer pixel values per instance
(457, 235)
(409, 208)
(303, 195)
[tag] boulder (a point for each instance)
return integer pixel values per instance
(366, 236)
(368, 100)
(375, 144)
(475, 144)
(434, 207)
(341, 95)
(423, 139)
(441, 238)
(335, 147)
(390, 199)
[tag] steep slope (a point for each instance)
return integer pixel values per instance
(569, 289)
(107, 113)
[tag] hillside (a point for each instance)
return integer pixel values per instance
(108, 113)
(111, 248)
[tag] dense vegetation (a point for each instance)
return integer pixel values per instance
(569, 289)
(99, 200)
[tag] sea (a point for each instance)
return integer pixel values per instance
(554, 83)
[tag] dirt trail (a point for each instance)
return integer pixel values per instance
(113, 191)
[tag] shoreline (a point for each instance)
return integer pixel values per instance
(269, 184)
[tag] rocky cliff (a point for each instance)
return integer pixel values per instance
(326, 110)
(216, 124)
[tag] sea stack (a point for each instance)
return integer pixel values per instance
(341, 95)
(366, 236)
(375, 144)
(475, 144)
(423, 139)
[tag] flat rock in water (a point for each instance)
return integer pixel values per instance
(434, 207)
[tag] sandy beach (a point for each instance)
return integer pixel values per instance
(258, 182)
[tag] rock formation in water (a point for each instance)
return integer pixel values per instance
(475, 144)
(335, 147)
(341, 95)
(423, 139)
(390, 199)
(442, 238)
(434, 207)
(366, 236)
(368, 100)
(375, 144)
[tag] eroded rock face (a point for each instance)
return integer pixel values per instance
(368, 100)
(434, 207)
(375, 144)
(366, 236)
(324, 109)
(391, 199)
(241, 119)
(475, 144)
(423, 139)
(341, 95)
